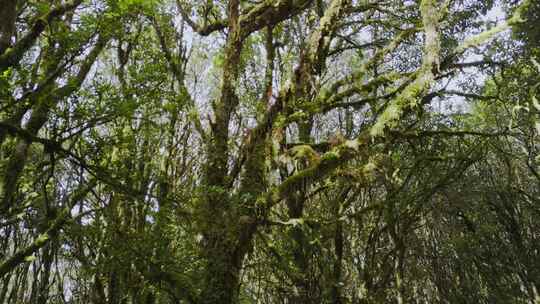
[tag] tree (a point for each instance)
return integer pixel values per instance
(267, 151)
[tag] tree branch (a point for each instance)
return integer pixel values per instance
(13, 55)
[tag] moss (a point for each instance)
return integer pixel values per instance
(352, 144)
(387, 119)
(298, 116)
(330, 156)
(301, 151)
(293, 182)
(424, 78)
(42, 238)
(406, 100)
(30, 258)
(369, 170)
(326, 24)
(483, 37)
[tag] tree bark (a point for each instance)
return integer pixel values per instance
(8, 14)
(218, 219)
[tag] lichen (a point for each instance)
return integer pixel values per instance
(423, 79)
(483, 37)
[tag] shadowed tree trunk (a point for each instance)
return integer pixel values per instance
(8, 14)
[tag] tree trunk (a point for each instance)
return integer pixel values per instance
(8, 13)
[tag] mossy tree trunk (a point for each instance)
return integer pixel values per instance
(217, 220)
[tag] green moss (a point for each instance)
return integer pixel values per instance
(298, 116)
(331, 155)
(424, 78)
(42, 238)
(483, 37)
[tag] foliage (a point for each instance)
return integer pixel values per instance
(269, 152)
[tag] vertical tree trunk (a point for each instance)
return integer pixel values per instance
(338, 251)
(219, 219)
(300, 247)
(43, 293)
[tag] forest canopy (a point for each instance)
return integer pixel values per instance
(269, 151)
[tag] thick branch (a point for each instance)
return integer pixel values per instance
(204, 30)
(425, 77)
(267, 13)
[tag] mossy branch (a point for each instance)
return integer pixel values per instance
(424, 79)
(485, 36)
